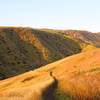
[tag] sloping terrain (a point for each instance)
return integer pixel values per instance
(85, 36)
(23, 49)
(87, 40)
(75, 78)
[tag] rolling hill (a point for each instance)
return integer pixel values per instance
(80, 36)
(24, 49)
(85, 36)
(86, 39)
(76, 77)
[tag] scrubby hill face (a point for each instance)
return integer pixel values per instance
(85, 36)
(80, 36)
(23, 49)
(77, 76)
(87, 40)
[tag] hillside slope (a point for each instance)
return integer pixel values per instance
(77, 76)
(85, 36)
(86, 39)
(80, 36)
(23, 49)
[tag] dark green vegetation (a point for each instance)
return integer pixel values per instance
(80, 36)
(24, 49)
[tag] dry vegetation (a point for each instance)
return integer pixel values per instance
(78, 79)
(85, 36)
(24, 49)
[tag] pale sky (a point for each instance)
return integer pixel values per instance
(56, 14)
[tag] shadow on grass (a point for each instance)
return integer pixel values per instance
(53, 93)
(49, 92)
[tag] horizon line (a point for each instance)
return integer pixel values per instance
(52, 28)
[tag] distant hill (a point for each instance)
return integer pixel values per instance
(73, 78)
(85, 36)
(23, 49)
(79, 35)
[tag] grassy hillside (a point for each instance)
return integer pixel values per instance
(23, 49)
(73, 78)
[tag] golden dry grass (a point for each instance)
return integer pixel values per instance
(78, 76)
